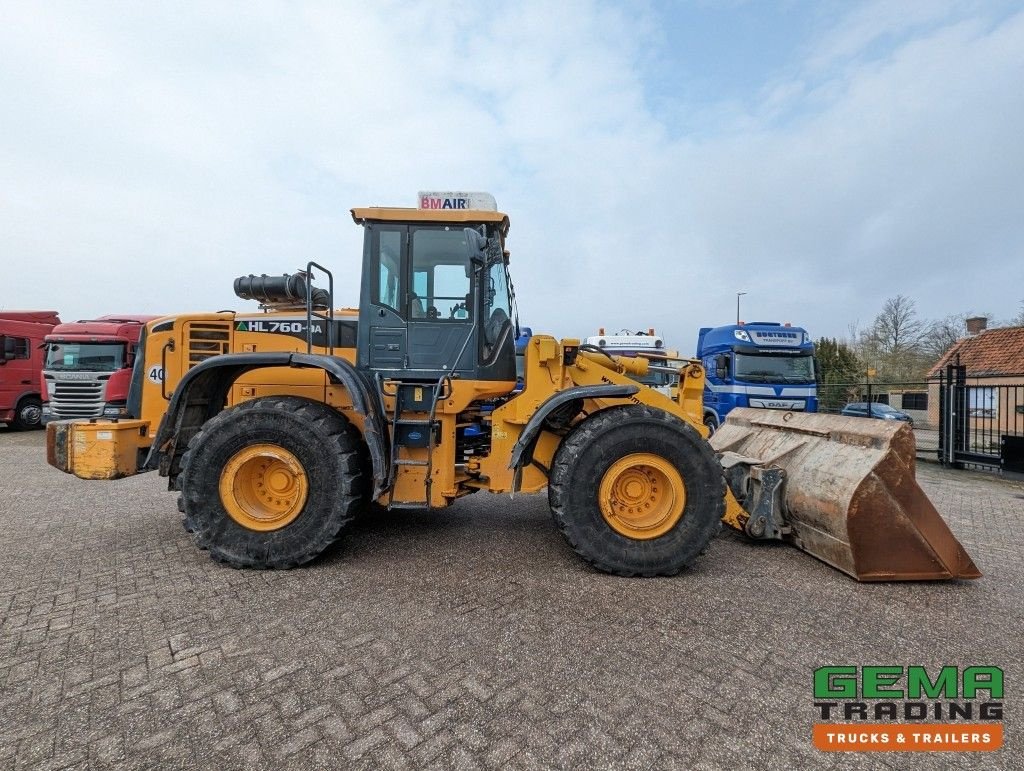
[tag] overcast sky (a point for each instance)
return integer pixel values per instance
(655, 158)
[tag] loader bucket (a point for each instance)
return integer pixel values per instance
(850, 496)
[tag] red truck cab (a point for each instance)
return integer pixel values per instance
(21, 363)
(88, 367)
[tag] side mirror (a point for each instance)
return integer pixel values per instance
(722, 366)
(3, 350)
(476, 243)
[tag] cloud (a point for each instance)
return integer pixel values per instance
(151, 156)
(904, 181)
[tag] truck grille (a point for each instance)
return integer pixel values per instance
(206, 339)
(77, 399)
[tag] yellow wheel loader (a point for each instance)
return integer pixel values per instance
(277, 430)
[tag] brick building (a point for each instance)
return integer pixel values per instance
(994, 362)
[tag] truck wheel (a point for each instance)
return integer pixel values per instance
(272, 482)
(712, 423)
(636, 491)
(28, 414)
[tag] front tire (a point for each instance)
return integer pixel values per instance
(711, 423)
(272, 482)
(636, 491)
(28, 414)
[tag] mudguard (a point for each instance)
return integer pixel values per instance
(203, 390)
(522, 450)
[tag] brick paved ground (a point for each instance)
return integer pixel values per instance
(468, 638)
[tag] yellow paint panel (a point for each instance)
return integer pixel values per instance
(100, 450)
(397, 214)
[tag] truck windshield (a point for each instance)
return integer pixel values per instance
(88, 357)
(774, 368)
(656, 379)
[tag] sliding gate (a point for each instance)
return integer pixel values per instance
(980, 423)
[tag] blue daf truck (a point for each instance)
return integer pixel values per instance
(758, 364)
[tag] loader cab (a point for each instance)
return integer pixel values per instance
(436, 299)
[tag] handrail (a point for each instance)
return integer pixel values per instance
(310, 313)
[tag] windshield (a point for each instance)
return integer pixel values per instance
(774, 368)
(497, 296)
(657, 379)
(88, 357)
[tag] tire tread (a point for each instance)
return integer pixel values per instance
(349, 457)
(582, 437)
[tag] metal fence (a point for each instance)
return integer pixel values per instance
(981, 421)
(916, 399)
(957, 419)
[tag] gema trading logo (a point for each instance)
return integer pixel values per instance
(894, 709)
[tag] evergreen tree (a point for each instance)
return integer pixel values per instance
(839, 368)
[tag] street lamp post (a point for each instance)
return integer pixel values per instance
(738, 296)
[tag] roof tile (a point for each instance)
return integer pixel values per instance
(994, 352)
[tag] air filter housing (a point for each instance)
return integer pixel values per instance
(287, 291)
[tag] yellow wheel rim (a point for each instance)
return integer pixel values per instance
(642, 496)
(263, 487)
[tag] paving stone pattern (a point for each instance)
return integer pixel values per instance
(464, 638)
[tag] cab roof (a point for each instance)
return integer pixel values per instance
(443, 216)
(114, 326)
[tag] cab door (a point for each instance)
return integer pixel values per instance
(440, 301)
(388, 288)
(20, 372)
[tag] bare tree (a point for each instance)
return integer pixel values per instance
(897, 329)
(943, 333)
(894, 343)
(940, 335)
(853, 333)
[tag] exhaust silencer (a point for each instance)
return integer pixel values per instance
(850, 497)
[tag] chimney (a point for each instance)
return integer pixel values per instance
(976, 325)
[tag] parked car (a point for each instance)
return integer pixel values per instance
(879, 411)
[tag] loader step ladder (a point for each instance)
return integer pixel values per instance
(413, 398)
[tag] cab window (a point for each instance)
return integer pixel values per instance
(16, 347)
(389, 258)
(441, 275)
(497, 298)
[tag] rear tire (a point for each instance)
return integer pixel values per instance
(711, 422)
(231, 468)
(626, 446)
(28, 414)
